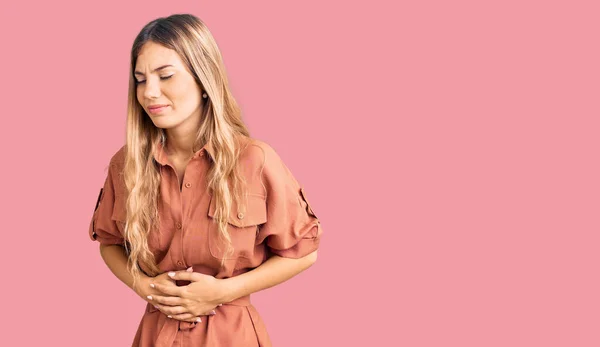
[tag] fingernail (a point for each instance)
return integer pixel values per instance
(198, 320)
(169, 317)
(213, 312)
(149, 297)
(155, 306)
(189, 269)
(220, 305)
(171, 274)
(152, 285)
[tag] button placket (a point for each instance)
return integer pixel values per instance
(180, 259)
(179, 226)
(185, 198)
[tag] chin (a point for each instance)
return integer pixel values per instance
(165, 127)
(165, 122)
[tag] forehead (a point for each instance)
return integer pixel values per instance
(153, 55)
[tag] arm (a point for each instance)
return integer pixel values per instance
(291, 232)
(116, 259)
(270, 273)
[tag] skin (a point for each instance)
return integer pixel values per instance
(181, 120)
(174, 86)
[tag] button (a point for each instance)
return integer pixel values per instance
(240, 215)
(180, 263)
(187, 185)
(178, 225)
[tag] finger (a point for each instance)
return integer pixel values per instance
(169, 290)
(171, 310)
(166, 300)
(184, 275)
(188, 317)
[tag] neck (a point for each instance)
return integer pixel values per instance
(181, 139)
(180, 146)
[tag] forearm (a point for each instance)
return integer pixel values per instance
(116, 259)
(270, 273)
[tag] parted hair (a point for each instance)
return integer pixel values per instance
(221, 124)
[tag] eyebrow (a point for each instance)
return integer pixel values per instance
(158, 68)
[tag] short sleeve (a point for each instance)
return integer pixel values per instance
(103, 228)
(292, 229)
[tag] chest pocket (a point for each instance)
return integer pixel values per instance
(243, 224)
(155, 243)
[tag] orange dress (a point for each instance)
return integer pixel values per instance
(278, 219)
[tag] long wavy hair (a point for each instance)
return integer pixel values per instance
(221, 124)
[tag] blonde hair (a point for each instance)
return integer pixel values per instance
(221, 125)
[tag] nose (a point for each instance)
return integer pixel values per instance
(152, 89)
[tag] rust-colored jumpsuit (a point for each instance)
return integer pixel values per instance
(278, 220)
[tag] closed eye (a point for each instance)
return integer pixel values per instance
(162, 78)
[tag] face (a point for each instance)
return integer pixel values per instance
(162, 79)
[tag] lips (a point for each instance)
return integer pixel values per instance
(157, 109)
(151, 107)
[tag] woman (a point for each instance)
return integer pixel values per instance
(195, 215)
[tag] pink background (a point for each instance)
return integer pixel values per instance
(450, 149)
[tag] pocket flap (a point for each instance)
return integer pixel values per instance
(254, 213)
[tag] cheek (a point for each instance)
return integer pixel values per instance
(183, 94)
(187, 104)
(186, 101)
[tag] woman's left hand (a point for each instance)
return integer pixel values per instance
(198, 298)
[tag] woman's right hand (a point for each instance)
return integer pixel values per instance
(144, 290)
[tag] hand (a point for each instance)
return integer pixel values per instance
(143, 288)
(186, 303)
(147, 292)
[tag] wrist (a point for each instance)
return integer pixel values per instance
(141, 286)
(228, 290)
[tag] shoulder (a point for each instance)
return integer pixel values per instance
(118, 159)
(272, 168)
(259, 152)
(116, 166)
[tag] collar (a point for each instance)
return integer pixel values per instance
(160, 154)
